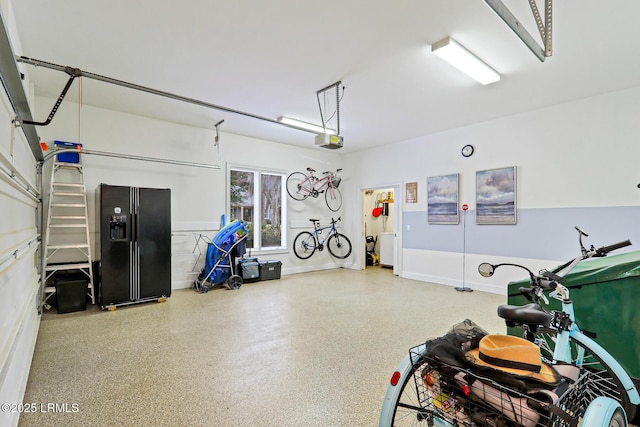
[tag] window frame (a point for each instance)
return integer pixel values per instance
(257, 206)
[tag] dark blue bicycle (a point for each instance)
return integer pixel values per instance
(306, 243)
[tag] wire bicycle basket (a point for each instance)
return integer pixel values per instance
(464, 398)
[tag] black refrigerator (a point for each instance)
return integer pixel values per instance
(135, 244)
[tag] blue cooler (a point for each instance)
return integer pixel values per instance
(68, 157)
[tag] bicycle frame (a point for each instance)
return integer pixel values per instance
(317, 184)
(325, 180)
(562, 350)
(319, 228)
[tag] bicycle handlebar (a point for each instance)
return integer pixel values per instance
(333, 221)
(330, 172)
(551, 275)
(606, 249)
(550, 280)
(547, 284)
(527, 292)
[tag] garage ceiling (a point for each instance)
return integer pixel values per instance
(270, 58)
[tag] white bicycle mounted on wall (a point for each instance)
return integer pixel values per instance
(600, 393)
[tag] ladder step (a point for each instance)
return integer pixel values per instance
(66, 194)
(68, 205)
(68, 165)
(75, 266)
(67, 225)
(67, 184)
(68, 217)
(69, 246)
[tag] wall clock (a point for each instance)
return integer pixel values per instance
(467, 150)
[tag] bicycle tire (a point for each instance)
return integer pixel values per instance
(604, 412)
(401, 406)
(339, 245)
(299, 186)
(333, 198)
(609, 384)
(304, 245)
(618, 420)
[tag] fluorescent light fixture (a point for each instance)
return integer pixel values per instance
(306, 126)
(456, 54)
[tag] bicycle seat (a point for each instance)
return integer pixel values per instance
(530, 314)
(314, 220)
(310, 170)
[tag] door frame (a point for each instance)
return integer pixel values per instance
(398, 199)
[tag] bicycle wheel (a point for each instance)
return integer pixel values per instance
(607, 382)
(333, 197)
(304, 245)
(339, 245)
(299, 186)
(604, 412)
(401, 406)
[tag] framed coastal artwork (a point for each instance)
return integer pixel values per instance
(442, 199)
(496, 196)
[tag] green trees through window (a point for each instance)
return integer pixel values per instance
(257, 197)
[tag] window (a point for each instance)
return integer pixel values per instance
(257, 197)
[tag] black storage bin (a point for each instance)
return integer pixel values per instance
(71, 293)
(249, 269)
(270, 270)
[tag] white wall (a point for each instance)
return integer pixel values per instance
(199, 196)
(19, 281)
(576, 165)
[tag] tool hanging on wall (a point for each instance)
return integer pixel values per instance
(377, 210)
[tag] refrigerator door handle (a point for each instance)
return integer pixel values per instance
(137, 287)
(135, 209)
(132, 268)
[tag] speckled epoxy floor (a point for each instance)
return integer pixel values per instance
(313, 349)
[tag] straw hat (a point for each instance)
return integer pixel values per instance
(513, 355)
